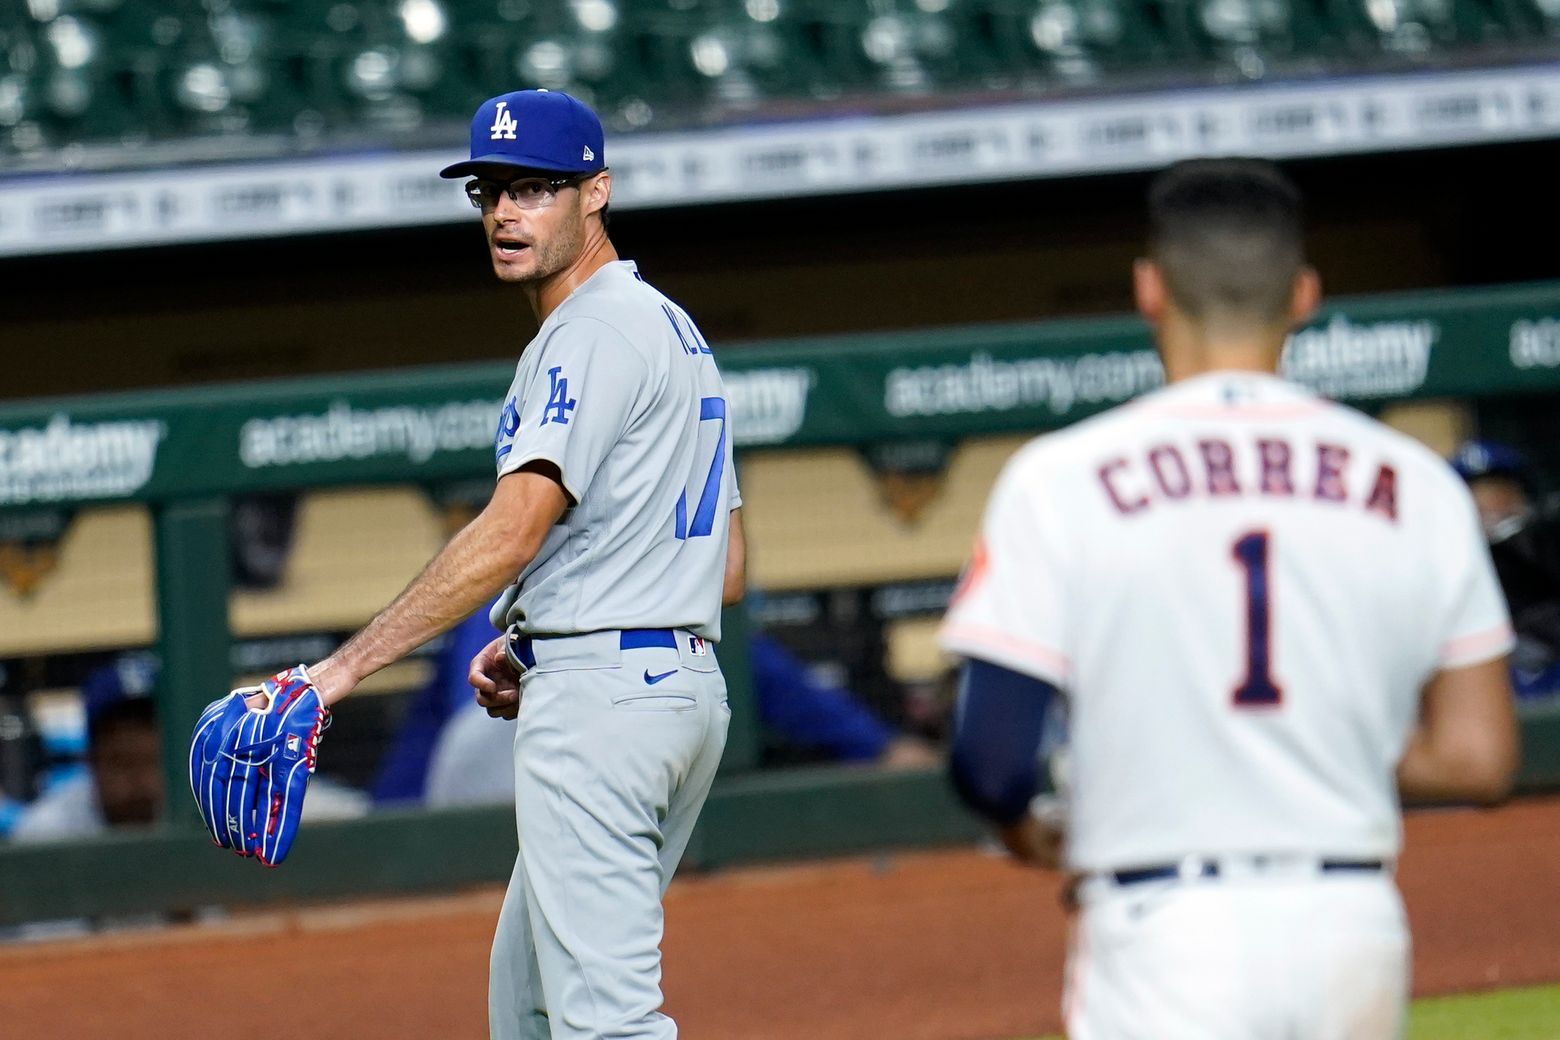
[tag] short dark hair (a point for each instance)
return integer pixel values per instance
(1227, 234)
(130, 713)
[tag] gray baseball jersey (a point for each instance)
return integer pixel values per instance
(619, 390)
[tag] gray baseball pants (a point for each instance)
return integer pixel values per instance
(615, 751)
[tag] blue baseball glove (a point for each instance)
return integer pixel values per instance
(250, 767)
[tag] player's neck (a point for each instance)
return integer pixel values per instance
(1190, 349)
(547, 294)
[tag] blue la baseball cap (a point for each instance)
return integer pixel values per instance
(533, 130)
(1475, 459)
(131, 676)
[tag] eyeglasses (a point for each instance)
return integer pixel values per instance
(525, 192)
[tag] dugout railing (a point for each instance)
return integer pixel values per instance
(186, 453)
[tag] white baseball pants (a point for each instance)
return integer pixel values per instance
(615, 751)
(1304, 956)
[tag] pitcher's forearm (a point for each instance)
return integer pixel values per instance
(483, 557)
(437, 601)
(466, 575)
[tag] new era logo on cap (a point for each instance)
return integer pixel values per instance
(533, 130)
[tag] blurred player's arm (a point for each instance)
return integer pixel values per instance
(483, 557)
(1465, 746)
(735, 585)
(995, 759)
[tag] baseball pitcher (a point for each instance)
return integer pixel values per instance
(1270, 617)
(614, 525)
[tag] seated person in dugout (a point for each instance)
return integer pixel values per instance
(122, 785)
(1525, 545)
(448, 753)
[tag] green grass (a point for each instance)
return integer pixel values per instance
(1510, 1014)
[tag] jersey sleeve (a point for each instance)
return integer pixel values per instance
(729, 475)
(576, 406)
(1476, 626)
(1008, 609)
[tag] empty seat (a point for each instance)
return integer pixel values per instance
(913, 46)
(1251, 37)
(1538, 19)
(1414, 29)
(78, 88)
(1072, 40)
(507, 45)
(358, 70)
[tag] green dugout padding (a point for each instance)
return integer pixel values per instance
(185, 452)
(822, 811)
(437, 424)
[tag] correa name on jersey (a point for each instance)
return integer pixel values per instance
(1269, 466)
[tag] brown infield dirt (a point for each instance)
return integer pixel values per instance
(952, 945)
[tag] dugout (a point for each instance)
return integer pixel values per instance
(182, 456)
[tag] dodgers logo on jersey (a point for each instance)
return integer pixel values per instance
(504, 124)
(559, 403)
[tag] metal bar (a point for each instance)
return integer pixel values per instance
(193, 635)
(743, 739)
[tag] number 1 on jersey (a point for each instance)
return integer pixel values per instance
(1258, 688)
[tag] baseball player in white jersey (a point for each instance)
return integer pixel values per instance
(615, 525)
(1261, 608)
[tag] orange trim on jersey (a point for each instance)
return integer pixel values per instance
(1481, 646)
(973, 574)
(1053, 661)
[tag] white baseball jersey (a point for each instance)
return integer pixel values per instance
(620, 391)
(1242, 588)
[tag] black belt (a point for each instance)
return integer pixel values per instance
(1209, 868)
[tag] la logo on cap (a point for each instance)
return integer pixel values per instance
(503, 128)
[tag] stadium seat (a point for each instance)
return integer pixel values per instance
(19, 101)
(751, 51)
(1414, 29)
(484, 35)
(1533, 18)
(1250, 36)
(829, 40)
(325, 51)
(78, 88)
(504, 45)
(659, 60)
(1074, 40)
(133, 70)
